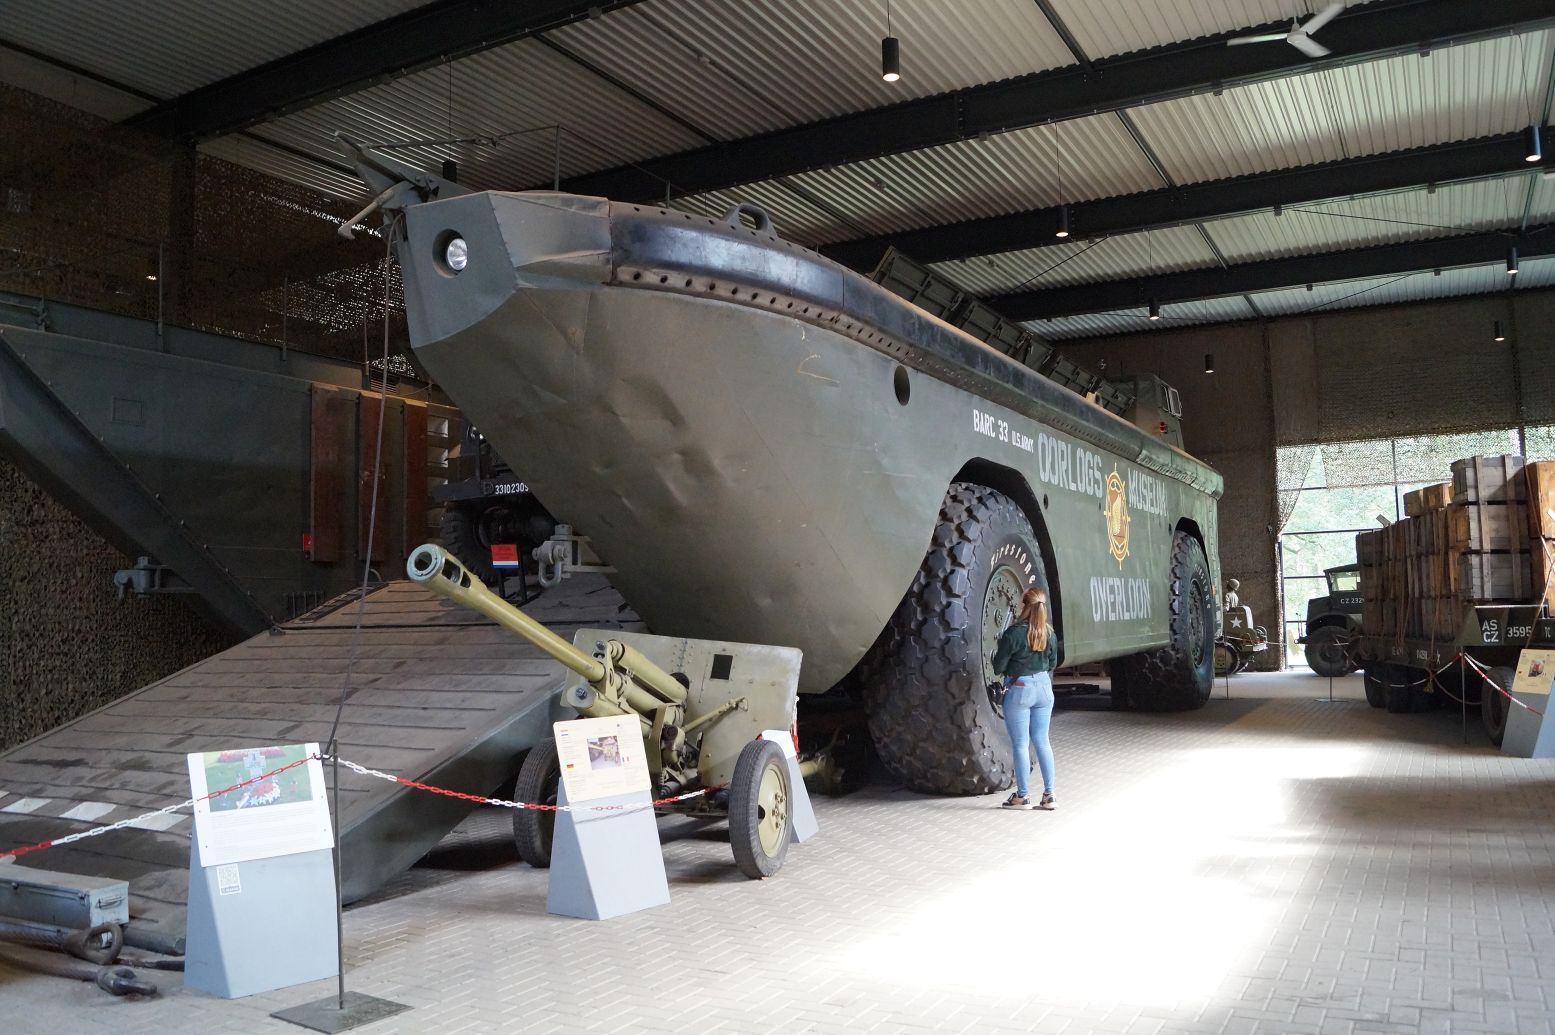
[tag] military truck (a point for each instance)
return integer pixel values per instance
(486, 504)
(771, 448)
(1333, 623)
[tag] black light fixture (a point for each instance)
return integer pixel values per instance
(1499, 336)
(890, 51)
(1155, 309)
(1209, 362)
(1535, 148)
(1511, 262)
(1063, 222)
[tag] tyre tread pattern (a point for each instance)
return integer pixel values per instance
(1165, 679)
(922, 678)
(537, 782)
(745, 814)
(456, 528)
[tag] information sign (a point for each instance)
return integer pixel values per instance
(281, 814)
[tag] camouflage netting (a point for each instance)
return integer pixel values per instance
(88, 212)
(67, 645)
(93, 211)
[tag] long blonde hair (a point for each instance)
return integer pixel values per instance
(1033, 611)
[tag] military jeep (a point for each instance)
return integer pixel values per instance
(1333, 621)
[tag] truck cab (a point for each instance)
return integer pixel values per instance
(1332, 621)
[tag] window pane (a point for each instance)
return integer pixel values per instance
(1321, 510)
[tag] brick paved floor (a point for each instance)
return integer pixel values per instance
(1269, 864)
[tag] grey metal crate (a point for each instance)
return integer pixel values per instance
(63, 899)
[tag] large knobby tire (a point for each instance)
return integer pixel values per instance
(761, 821)
(1328, 651)
(1493, 705)
(539, 781)
(1406, 689)
(925, 680)
(459, 529)
(1376, 688)
(1179, 676)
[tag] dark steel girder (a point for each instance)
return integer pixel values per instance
(1181, 206)
(440, 31)
(1381, 29)
(1215, 282)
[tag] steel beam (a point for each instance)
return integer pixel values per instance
(1182, 206)
(1386, 260)
(440, 31)
(55, 448)
(1384, 28)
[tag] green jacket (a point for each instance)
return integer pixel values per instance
(1013, 658)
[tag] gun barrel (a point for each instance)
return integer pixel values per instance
(432, 566)
(650, 676)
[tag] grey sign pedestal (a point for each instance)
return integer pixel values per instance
(1529, 735)
(606, 862)
(260, 925)
(802, 813)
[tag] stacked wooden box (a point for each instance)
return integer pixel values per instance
(1488, 536)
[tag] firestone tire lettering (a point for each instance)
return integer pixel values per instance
(929, 712)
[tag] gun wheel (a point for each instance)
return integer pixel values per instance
(539, 781)
(760, 821)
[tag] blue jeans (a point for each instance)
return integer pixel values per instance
(1028, 708)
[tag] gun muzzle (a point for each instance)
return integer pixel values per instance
(435, 569)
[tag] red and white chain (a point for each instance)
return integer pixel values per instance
(361, 770)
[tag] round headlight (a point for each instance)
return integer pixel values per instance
(456, 254)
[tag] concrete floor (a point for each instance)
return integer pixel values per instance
(1268, 864)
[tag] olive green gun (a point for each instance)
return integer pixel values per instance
(687, 746)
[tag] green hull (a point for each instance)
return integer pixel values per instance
(761, 466)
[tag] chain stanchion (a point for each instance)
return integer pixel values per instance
(1463, 687)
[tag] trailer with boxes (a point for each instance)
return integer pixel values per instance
(1459, 587)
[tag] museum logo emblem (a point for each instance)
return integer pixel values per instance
(1116, 510)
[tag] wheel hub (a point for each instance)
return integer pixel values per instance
(771, 810)
(1001, 603)
(1198, 624)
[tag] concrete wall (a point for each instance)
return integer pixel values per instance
(1374, 373)
(67, 645)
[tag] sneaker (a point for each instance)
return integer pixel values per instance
(1048, 802)
(1017, 801)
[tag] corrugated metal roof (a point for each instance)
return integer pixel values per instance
(737, 68)
(253, 153)
(794, 217)
(1007, 172)
(1543, 208)
(169, 47)
(1458, 93)
(1105, 29)
(1110, 258)
(1137, 321)
(520, 86)
(1413, 287)
(1378, 219)
(60, 84)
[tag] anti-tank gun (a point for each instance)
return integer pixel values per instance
(701, 713)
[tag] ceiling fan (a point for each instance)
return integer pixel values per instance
(1299, 36)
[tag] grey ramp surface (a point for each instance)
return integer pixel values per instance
(438, 695)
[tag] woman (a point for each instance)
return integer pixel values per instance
(1025, 657)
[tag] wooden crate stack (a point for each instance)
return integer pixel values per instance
(1488, 536)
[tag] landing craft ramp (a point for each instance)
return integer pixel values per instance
(439, 695)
